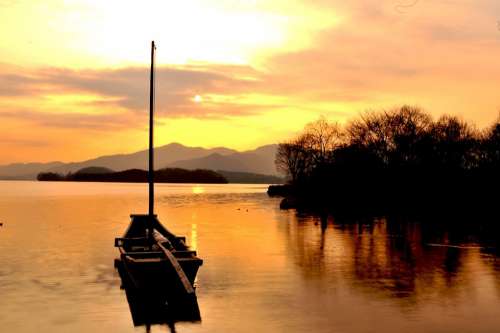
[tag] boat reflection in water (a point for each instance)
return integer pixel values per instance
(157, 308)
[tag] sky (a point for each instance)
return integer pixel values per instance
(240, 74)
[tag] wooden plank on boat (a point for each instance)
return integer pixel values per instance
(144, 260)
(160, 239)
(143, 253)
(180, 273)
(120, 241)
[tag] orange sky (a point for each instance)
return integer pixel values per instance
(74, 75)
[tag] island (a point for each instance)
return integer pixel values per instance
(166, 175)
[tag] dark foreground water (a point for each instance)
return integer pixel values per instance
(265, 270)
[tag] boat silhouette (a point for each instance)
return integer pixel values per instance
(154, 263)
(148, 308)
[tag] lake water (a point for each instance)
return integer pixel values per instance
(265, 270)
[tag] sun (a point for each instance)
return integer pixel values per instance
(197, 99)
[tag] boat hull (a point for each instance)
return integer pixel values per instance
(145, 274)
(156, 306)
(163, 262)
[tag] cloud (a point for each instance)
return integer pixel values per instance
(376, 52)
(25, 142)
(73, 120)
(16, 81)
(128, 88)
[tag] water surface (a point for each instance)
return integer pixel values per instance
(265, 270)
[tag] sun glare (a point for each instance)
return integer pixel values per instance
(197, 99)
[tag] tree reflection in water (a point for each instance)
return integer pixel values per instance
(407, 259)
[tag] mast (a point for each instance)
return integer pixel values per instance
(151, 124)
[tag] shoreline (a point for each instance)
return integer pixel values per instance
(467, 202)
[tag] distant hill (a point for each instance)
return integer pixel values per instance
(260, 160)
(164, 156)
(25, 170)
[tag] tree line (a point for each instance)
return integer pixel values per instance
(398, 153)
(166, 175)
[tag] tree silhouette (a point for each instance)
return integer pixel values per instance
(398, 156)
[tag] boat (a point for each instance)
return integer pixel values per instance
(153, 308)
(153, 259)
(148, 309)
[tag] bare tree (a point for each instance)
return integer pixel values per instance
(455, 142)
(293, 159)
(298, 157)
(392, 135)
(491, 145)
(322, 138)
(370, 132)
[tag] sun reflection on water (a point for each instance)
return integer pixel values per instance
(194, 237)
(198, 189)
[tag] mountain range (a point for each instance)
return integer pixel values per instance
(258, 161)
